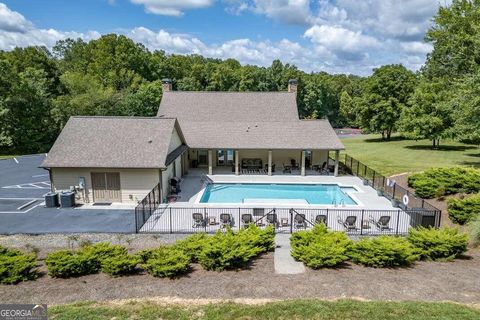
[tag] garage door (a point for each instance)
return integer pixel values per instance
(106, 187)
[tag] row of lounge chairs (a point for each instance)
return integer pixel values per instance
(299, 221)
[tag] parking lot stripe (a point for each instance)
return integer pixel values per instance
(40, 175)
(15, 159)
(26, 204)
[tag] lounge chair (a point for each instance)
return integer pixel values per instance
(321, 218)
(382, 223)
(323, 169)
(300, 222)
(287, 169)
(349, 224)
(247, 219)
(294, 164)
(198, 220)
(226, 220)
(272, 219)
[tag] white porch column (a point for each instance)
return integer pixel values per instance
(269, 162)
(337, 157)
(210, 162)
(302, 172)
(237, 161)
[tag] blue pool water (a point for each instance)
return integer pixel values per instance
(277, 193)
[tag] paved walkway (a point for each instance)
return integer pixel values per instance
(283, 260)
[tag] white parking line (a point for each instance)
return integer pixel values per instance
(34, 185)
(30, 202)
(15, 159)
(26, 204)
(40, 175)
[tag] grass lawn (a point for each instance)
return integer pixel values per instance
(402, 155)
(293, 309)
(6, 156)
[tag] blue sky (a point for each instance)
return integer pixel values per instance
(337, 36)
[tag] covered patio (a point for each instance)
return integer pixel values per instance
(264, 161)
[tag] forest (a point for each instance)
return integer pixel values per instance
(41, 88)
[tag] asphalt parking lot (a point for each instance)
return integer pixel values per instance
(22, 210)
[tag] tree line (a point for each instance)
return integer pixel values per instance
(40, 88)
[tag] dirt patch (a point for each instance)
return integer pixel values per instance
(456, 281)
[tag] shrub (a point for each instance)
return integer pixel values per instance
(438, 244)
(384, 251)
(230, 250)
(101, 251)
(120, 265)
(16, 266)
(463, 210)
(191, 246)
(166, 262)
(437, 182)
(68, 263)
(256, 237)
(474, 228)
(319, 248)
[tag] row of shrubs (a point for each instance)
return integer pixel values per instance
(321, 248)
(464, 210)
(224, 250)
(438, 182)
(16, 266)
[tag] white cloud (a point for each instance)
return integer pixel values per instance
(172, 7)
(289, 11)
(12, 21)
(416, 47)
(342, 42)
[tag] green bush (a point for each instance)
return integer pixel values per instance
(438, 244)
(68, 263)
(16, 266)
(319, 248)
(384, 251)
(120, 265)
(166, 262)
(101, 251)
(231, 250)
(191, 246)
(438, 182)
(463, 210)
(474, 228)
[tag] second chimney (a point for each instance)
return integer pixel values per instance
(292, 85)
(166, 85)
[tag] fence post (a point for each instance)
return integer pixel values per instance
(291, 220)
(171, 231)
(423, 204)
(393, 193)
(136, 221)
(351, 164)
(358, 166)
(361, 223)
(205, 218)
(398, 221)
(439, 213)
(373, 180)
(239, 219)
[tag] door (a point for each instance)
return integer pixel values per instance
(225, 157)
(106, 187)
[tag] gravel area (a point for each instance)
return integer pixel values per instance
(427, 281)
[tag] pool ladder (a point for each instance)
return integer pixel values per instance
(342, 203)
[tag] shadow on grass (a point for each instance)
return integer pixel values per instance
(392, 139)
(476, 155)
(441, 148)
(471, 164)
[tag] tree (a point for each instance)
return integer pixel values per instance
(386, 94)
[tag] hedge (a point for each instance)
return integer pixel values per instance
(120, 265)
(384, 251)
(438, 244)
(319, 248)
(462, 211)
(165, 262)
(16, 266)
(438, 182)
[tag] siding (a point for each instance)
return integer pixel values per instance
(135, 183)
(175, 141)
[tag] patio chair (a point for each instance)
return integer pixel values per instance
(382, 223)
(226, 220)
(300, 221)
(272, 219)
(247, 219)
(324, 169)
(294, 164)
(287, 169)
(198, 220)
(321, 218)
(349, 223)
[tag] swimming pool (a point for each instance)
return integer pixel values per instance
(325, 194)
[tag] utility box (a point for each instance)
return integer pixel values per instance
(51, 200)
(67, 199)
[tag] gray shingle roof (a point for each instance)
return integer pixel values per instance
(112, 142)
(296, 134)
(228, 106)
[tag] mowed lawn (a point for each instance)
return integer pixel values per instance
(403, 155)
(293, 309)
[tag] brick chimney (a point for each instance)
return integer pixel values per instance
(292, 85)
(166, 85)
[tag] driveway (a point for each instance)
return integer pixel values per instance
(22, 187)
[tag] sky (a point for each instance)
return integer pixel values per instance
(336, 36)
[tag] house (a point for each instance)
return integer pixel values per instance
(120, 159)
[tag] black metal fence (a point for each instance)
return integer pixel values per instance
(399, 196)
(146, 207)
(173, 219)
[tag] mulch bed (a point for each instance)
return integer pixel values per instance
(428, 281)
